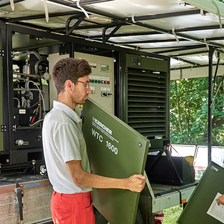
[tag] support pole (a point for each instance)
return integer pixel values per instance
(211, 52)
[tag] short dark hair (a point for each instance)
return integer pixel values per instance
(69, 69)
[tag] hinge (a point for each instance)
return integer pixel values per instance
(14, 128)
(3, 128)
(2, 53)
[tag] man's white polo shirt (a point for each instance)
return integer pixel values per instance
(63, 141)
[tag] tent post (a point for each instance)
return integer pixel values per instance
(211, 52)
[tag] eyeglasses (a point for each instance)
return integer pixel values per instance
(85, 84)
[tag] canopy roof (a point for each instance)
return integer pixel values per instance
(178, 29)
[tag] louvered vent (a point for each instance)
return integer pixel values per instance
(147, 102)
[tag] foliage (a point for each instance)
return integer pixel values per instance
(172, 214)
(189, 112)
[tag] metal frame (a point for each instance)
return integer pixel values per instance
(74, 44)
(4, 84)
(210, 87)
(118, 22)
(80, 19)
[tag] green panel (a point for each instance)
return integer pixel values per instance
(1, 103)
(147, 101)
(134, 61)
(115, 150)
(210, 184)
(148, 97)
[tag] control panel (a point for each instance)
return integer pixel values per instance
(101, 79)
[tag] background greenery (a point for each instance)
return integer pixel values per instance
(172, 214)
(189, 112)
(189, 119)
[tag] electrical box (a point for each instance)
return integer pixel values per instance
(101, 79)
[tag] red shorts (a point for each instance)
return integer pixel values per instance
(72, 208)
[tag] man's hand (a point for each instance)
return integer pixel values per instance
(220, 200)
(136, 182)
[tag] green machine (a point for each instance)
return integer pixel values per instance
(115, 150)
(202, 207)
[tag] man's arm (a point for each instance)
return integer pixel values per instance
(80, 177)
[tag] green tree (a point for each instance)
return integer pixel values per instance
(189, 112)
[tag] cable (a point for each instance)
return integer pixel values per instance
(35, 104)
(133, 18)
(18, 105)
(27, 53)
(206, 44)
(12, 5)
(31, 125)
(84, 11)
(46, 10)
(173, 32)
(218, 14)
(40, 94)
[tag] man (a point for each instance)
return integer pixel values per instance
(65, 150)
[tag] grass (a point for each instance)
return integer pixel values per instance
(172, 214)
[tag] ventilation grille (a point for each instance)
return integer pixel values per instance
(147, 102)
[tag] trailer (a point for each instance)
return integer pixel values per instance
(131, 85)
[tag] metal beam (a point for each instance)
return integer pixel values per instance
(188, 29)
(89, 2)
(152, 41)
(197, 28)
(191, 53)
(102, 26)
(7, 2)
(210, 55)
(107, 37)
(41, 16)
(69, 30)
(186, 48)
(167, 40)
(216, 70)
(178, 34)
(78, 41)
(130, 34)
(166, 15)
(190, 67)
(130, 22)
(184, 60)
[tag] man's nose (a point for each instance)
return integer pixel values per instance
(89, 91)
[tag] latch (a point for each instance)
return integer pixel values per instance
(19, 194)
(2, 53)
(3, 128)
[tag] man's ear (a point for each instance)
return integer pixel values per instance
(68, 85)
